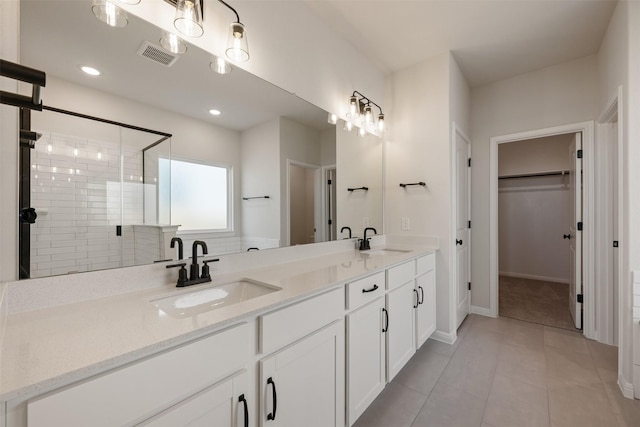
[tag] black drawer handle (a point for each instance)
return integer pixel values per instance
(386, 320)
(566, 236)
(272, 415)
(246, 410)
(421, 295)
(375, 288)
(417, 298)
(458, 242)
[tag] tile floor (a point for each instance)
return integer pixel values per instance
(505, 372)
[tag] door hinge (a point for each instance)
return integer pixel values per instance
(615, 243)
(579, 298)
(328, 182)
(469, 283)
(469, 162)
(579, 154)
(468, 224)
(580, 226)
(330, 222)
(118, 230)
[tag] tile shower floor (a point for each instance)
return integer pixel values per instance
(506, 372)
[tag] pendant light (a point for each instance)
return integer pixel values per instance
(237, 46)
(109, 13)
(189, 18)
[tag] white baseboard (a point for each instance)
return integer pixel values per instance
(534, 277)
(625, 387)
(482, 311)
(445, 337)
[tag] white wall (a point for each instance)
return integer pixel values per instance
(261, 177)
(557, 95)
(549, 154)
(359, 164)
(418, 149)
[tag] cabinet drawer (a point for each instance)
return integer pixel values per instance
(288, 324)
(425, 263)
(136, 392)
(364, 290)
(401, 274)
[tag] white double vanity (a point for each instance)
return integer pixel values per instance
(303, 336)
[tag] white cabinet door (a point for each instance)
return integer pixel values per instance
(426, 311)
(303, 384)
(401, 304)
(225, 404)
(365, 357)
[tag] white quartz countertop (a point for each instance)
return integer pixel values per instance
(55, 346)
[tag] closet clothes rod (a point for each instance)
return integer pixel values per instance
(359, 188)
(422, 184)
(256, 197)
(535, 175)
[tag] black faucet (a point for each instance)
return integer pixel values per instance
(194, 272)
(346, 228)
(364, 242)
(173, 245)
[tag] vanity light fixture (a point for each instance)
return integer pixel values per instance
(109, 13)
(237, 46)
(220, 66)
(188, 18)
(360, 113)
(90, 70)
(173, 43)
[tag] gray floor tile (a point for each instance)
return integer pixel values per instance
(449, 406)
(396, 406)
(516, 403)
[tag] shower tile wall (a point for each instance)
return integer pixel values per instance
(79, 197)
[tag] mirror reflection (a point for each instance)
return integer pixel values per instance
(265, 171)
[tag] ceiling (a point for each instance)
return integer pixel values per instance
(490, 39)
(59, 36)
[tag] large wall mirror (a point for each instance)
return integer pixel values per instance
(142, 159)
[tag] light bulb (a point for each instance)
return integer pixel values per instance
(237, 46)
(348, 126)
(189, 18)
(353, 107)
(333, 119)
(368, 115)
(381, 126)
(361, 132)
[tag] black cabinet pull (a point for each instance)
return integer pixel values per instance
(272, 415)
(375, 288)
(417, 298)
(566, 236)
(421, 295)
(246, 410)
(386, 320)
(458, 242)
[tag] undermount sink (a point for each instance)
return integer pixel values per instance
(199, 301)
(382, 251)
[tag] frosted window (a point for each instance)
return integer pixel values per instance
(199, 195)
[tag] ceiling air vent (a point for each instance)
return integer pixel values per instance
(157, 54)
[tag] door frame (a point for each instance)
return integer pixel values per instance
(588, 213)
(457, 131)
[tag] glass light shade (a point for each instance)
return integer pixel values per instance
(237, 46)
(368, 115)
(354, 110)
(333, 119)
(173, 43)
(361, 132)
(348, 126)
(109, 13)
(189, 18)
(220, 66)
(381, 124)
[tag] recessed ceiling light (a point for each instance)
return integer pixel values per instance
(215, 112)
(90, 70)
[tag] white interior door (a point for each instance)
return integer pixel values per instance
(575, 187)
(463, 299)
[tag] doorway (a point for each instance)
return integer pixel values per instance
(539, 205)
(588, 233)
(304, 203)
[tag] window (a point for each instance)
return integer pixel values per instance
(199, 195)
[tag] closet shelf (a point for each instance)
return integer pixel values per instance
(535, 174)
